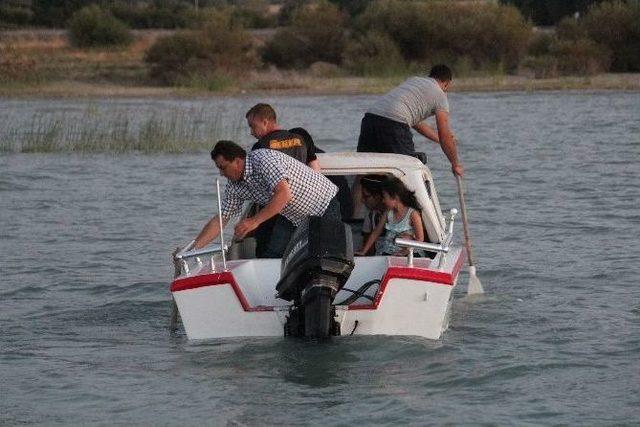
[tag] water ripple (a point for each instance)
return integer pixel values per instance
(85, 266)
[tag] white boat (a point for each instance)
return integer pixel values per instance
(232, 294)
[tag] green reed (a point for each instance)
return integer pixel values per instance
(95, 130)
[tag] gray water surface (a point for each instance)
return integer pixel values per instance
(553, 183)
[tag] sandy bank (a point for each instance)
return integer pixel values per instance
(308, 85)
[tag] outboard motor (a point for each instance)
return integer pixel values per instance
(316, 264)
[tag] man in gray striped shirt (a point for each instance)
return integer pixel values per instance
(386, 126)
(276, 181)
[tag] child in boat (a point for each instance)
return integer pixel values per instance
(402, 219)
(371, 190)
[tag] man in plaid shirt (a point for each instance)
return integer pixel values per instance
(276, 181)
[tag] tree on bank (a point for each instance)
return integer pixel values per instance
(606, 38)
(616, 26)
(94, 27)
(317, 34)
(211, 55)
(478, 34)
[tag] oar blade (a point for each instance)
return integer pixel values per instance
(474, 287)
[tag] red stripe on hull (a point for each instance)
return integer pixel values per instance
(216, 279)
(411, 273)
(393, 272)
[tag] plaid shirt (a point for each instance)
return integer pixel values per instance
(263, 170)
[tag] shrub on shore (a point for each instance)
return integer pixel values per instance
(540, 43)
(94, 27)
(580, 57)
(216, 51)
(616, 26)
(569, 57)
(607, 38)
(317, 34)
(444, 31)
(373, 54)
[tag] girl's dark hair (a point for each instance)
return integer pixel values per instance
(394, 187)
(372, 184)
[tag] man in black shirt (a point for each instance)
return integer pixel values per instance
(263, 123)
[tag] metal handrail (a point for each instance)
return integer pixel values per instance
(220, 223)
(213, 249)
(187, 252)
(441, 249)
(415, 244)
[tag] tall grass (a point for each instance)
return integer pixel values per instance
(179, 131)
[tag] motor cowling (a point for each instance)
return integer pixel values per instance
(316, 264)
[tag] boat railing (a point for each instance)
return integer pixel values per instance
(188, 253)
(440, 249)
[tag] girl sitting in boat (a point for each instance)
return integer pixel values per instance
(402, 219)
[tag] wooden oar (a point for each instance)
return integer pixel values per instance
(474, 287)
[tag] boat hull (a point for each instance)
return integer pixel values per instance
(241, 302)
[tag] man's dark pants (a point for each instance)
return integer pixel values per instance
(382, 135)
(272, 237)
(273, 245)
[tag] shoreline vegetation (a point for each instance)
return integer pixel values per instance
(100, 130)
(318, 47)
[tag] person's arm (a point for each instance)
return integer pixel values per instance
(373, 236)
(281, 196)
(416, 223)
(314, 164)
(427, 131)
(448, 142)
(210, 231)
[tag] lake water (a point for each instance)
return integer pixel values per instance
(553, 186)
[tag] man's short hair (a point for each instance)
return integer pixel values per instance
(229, 150)
(262, 111)
(441, 73)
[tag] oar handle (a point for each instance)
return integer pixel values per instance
(465, 224)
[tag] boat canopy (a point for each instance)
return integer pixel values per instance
(411, 171)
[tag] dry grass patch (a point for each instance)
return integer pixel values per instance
(47, 57)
